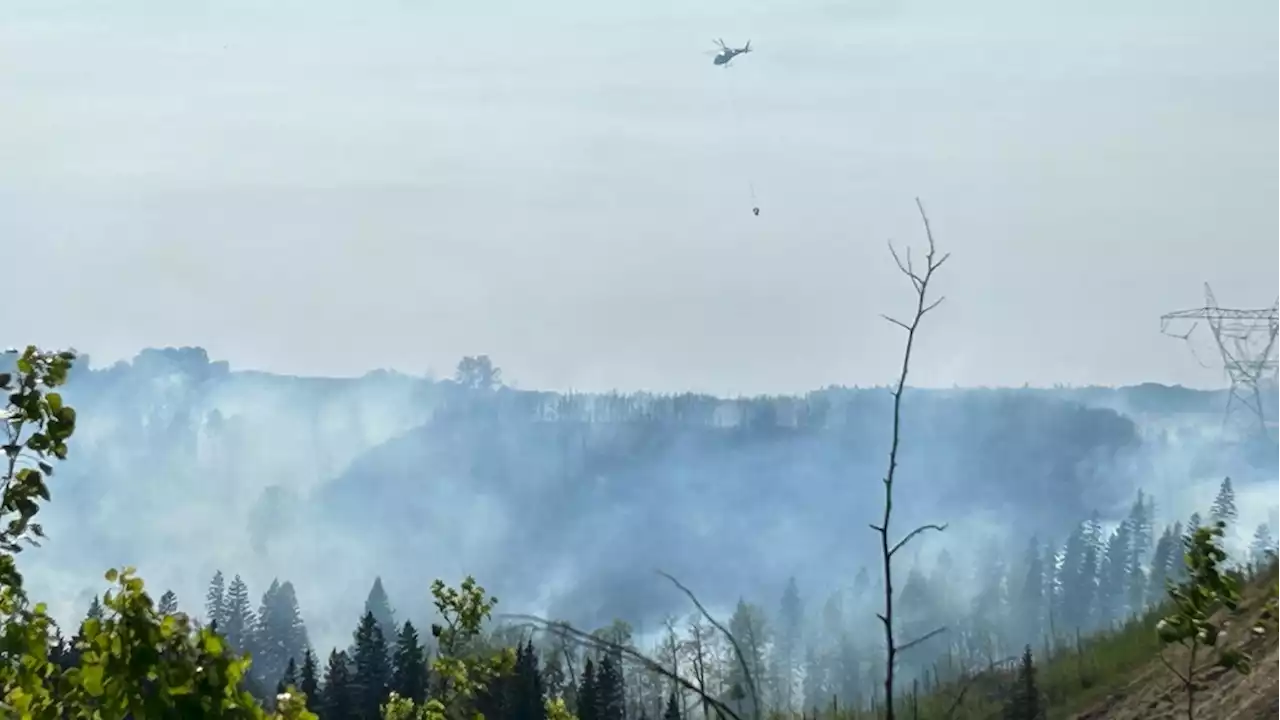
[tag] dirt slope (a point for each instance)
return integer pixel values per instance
(1155, 694)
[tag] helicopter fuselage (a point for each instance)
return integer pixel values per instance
(725, 56)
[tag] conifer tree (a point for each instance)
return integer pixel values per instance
(338, 694)
(588, 702)
(95, 609)
(372, 669)
(1263, 545)
(748, 626)
(1031, 603)
(280, 635)
(309, 680)
(1024, 702)
(240, 621)
(1141, 529)
(380, 605)
(528, 702)
(168, 604)
(1079, 579)
(409, 665)
(1113, 580)
(814, 685)
(610, 700)
(215, 602)
(289, 679)
(787, 649)
(1224, 505)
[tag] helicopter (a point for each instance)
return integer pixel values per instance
(727, 53)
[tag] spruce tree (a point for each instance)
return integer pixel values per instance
(610, 693)
(215, 603)
(1263, 546)
(1113, 580)
(787, 649)
(1031, 603)
(747, 625)
(1024, 702)
(309, 681)
(240, 621)
(527, 701)
(380, 605)
(1079, 579)
(1160, 560)
(372, 669)
(1224, 505)
(1140, 528)
(409, 665)
(280, 635)
(289, 679)
(168, 604)
(95, 609)
(814, 686)
(338, 694)
(587, 708)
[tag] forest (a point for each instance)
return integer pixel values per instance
(864, 638)
(231, 470)
(794, 654)
(805, 654)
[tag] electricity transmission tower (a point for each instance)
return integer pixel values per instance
(1246, 340)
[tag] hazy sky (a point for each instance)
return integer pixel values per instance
(323, 187)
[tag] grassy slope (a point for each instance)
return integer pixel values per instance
(1119, 676)
(1149, 690)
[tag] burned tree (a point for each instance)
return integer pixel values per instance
(888, 548)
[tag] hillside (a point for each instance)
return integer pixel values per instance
(1152, 693)
(565, 503)
(1118, 675)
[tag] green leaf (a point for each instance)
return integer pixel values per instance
(212, 644)
(91, 680)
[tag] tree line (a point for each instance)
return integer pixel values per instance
(802, 657)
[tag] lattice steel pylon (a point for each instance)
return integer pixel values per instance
(1247, 341)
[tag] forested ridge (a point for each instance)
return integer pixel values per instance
(794, 653)
(388, 463)
(376, 455)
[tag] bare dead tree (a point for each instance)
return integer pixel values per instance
(630, 654)
(733, 642)
(888, 548)
(568, 633)
(698, 660)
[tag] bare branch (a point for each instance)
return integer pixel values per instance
(923, 638)
(897, 322)
(922, 529)
(566, 631)
(1173, 670)
(964, 690)
(737, 650)
(932, 305)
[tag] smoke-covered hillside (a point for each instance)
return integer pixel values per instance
(564, 505)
